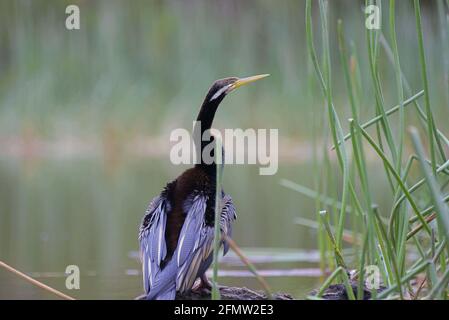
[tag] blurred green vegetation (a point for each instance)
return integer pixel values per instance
(143, 67)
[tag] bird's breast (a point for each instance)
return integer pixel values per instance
(192, 182)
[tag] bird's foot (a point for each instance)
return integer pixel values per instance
(203, 285)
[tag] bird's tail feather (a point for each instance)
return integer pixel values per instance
(164, 284)
(168, 293)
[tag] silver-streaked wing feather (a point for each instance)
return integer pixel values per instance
(153, 248)
(189, 237)
(195, 253)
(192, 241)
(227, 217)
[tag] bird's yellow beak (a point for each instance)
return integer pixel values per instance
(244, 81)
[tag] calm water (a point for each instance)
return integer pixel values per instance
(127, 72)
(86, 212)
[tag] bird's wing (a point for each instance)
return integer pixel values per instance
(196, 238)
(195, 241)
(227, 217)
(195, 244)
(152, 237)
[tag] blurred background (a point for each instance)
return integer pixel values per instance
(85, 119)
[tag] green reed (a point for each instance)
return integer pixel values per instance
(411, 238)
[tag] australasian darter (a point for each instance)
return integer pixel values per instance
(177, 232)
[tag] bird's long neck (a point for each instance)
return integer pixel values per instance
(203, 123)
(206, 115)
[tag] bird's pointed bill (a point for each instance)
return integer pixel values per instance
(244, 81)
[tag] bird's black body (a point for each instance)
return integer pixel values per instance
(177, 231)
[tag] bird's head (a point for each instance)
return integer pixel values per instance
(220, 88)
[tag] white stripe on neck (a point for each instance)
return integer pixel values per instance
(219, 92)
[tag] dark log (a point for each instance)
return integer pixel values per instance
(339, 292)
(232, 293)
(229, 293)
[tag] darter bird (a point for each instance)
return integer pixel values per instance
(177, 232)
